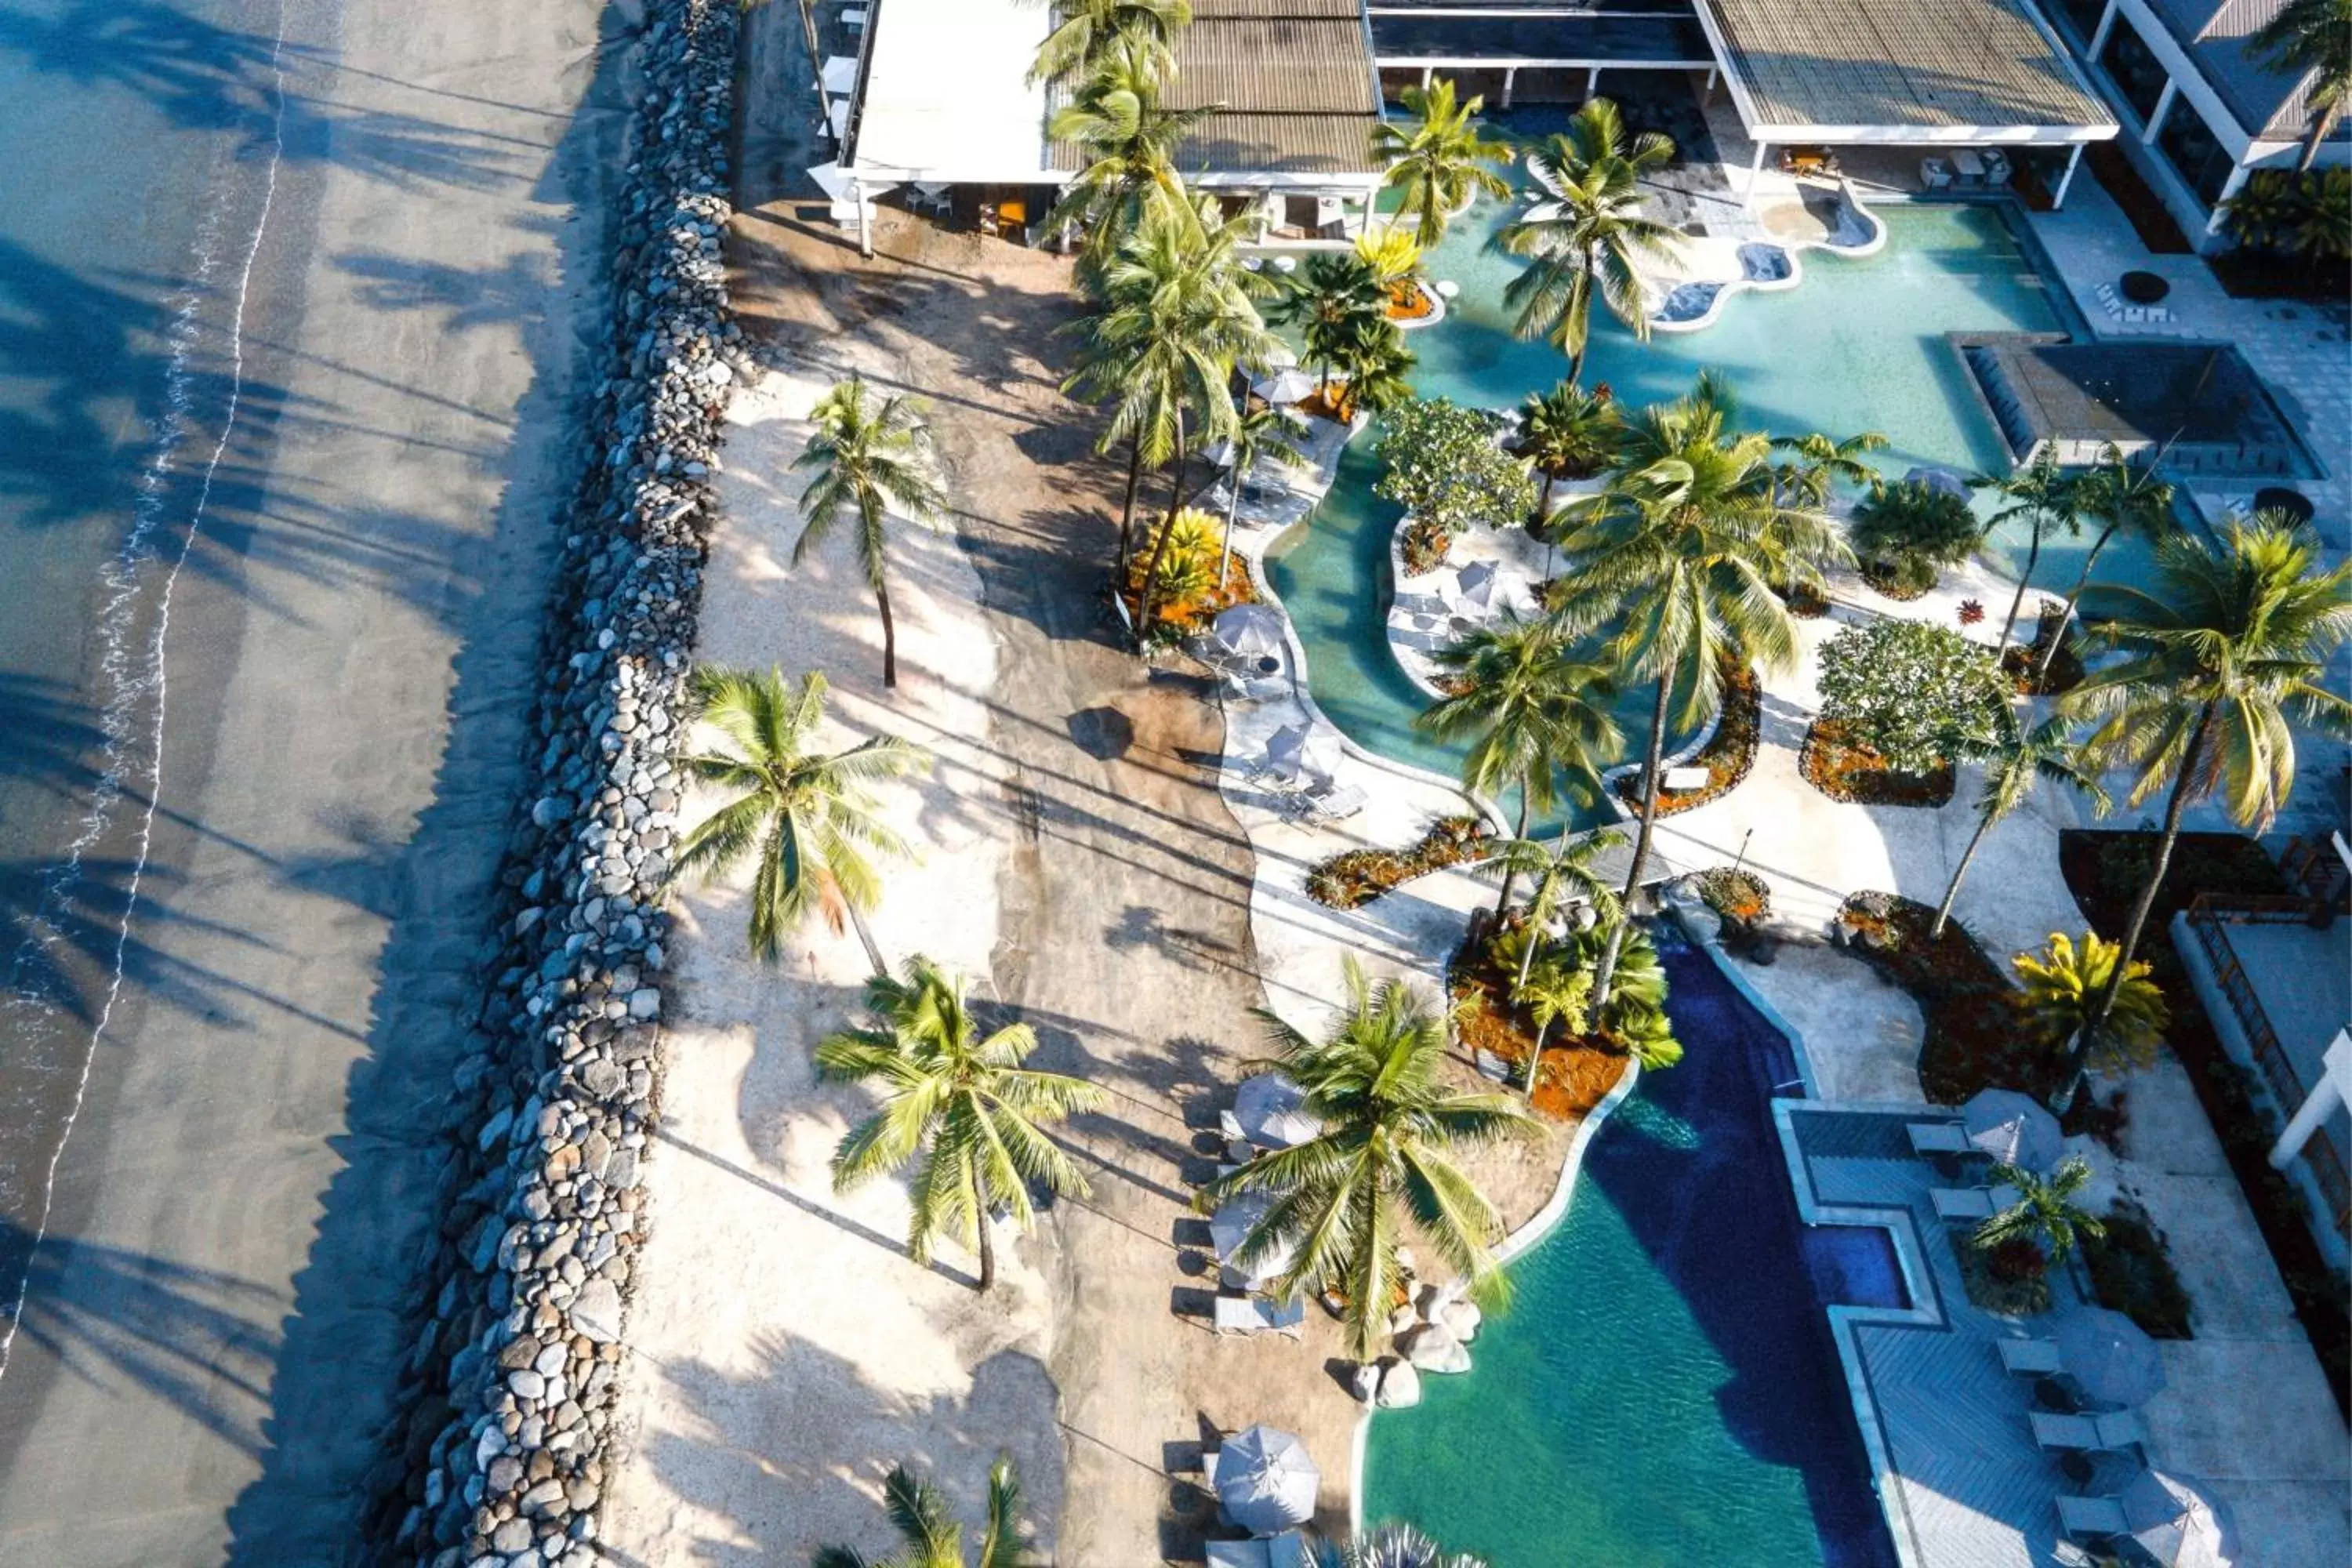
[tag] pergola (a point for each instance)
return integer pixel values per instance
(1956, 73)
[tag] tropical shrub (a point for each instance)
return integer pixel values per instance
(1974, 1037)
(2300, 213)
(2062, 984)
(1446, 467)
(1906, 690)
(1903, 532)
(1186, 592)
(1736, 895)
(2131, 1273)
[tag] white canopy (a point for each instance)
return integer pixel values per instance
(947, 95)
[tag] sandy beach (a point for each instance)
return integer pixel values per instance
(207, 1354)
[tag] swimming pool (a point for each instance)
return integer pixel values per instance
(1663, 1391)
(1859, 344)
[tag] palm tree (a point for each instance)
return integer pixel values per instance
(2313, 40)
(1374, 360)
(1677, 555)
(2119, 496)
(2323, 228)
(1591, 234)
(805, 814)
(1126, 139)
(1336, 301)
(1089, 29)
(1823, 464)
(2062, 982)
(1559, 992)
(870, 460)
(1437, 160)
(2236, 642)
(1534, 717)
(964, 1109)
(1567, 433)
(2042, 494)
(932, 1538)
(1260, 431)
(2045, 1211)
(1341, 1199)
(2015, 761)
(1392, 1546)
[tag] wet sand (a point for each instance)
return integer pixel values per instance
(213, 1328)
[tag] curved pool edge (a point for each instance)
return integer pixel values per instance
(1537, 1226)
(1794, 250)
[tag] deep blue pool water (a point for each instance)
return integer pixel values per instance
(1663, 1393)
(1855, 1266)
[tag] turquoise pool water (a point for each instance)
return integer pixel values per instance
(1663, 1393)
(1859, 344)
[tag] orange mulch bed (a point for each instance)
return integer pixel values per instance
(1575, 1074)
(1188, 614)
(1728, 755)
(1331, 405)
(1860, 776)
(1409, 302)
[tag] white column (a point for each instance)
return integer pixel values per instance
(2229, 188)
(2074, 157)
(2156, 116)
(2325, 1100)
(1510, 79)
(1755, 169)
(1426, 72)
(1591, 80)
(2106, 25)
(865, 218)
(1709, 96)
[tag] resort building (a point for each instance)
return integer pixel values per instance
(1513, 52)
(2199, 112)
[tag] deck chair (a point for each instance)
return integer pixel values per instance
(1961, 1202)
(1241, 1314)
(1334, 803)
(2030, 1358)
(2086, 1433)
(1937, 1138)
(2091, 1518)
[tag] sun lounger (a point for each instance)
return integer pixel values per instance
(1679, 780)
(2061, 1433)
(2030, 1358)
(1937, 1138)
(1335, 805)
(1971, 1202)
(2089, 1518)
(854, 18)
(1257, 1315)
(1288, 1549)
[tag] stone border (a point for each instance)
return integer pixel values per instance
(509, 1395)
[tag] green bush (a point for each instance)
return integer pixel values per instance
(1906, 690)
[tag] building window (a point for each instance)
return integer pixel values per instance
(2139, 75)
(2190, 146)
(2079, 18)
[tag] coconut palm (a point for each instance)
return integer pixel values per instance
(2045, 1212)
(932, 1539)
(1590, 236)
(1374, 360)
(2118, 496)
(1535, 719)
(1089, 30)
(2311, 39)
(1675, 558)
(1260, 432)
(872, 460)
(1557, 992)
(1126, 139)
(2042, 494)
(1336, 301)
(1567, 433)
(805, 814)
(1392, 1546)
(2062, 981)
(1909, 528)
(961, 1110)
(1822, 464)
(2323, 228)
(2015, 761)
(1343, 1200)
(1436, 160)
(2233, 644)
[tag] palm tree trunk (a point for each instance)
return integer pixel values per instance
(1653, 757)
(1535, 1062)
(2079, 1053)
(889, 634)
(1985, 819)
(2042, 668)
(2017, 600)
(1233, 506)
(1159, 547)
(987, 1241)
(865, 939)
(1127, 512)
(2311, 139)
(1511, 872)
(1543, 504)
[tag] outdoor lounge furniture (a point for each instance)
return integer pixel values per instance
(2090, 1433)
(1333, 802)
(854, 18)
(1681, 779)
(1971, 1202)
(1285, 1551)
(1264, 1480)
(2144, 288)
(2090, 1517)
(2030, 1358)
(1243, 1314)
(1934, 173)
(1937, 1138)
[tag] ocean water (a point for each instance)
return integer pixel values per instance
(141, 149)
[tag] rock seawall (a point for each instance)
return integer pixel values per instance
(511, 1388)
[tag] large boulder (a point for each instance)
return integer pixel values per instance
(1462, 1319)
(1364, 1382)
(1434, 1347)
(1399, 1386)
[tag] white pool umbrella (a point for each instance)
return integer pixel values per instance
(1943, 479)
(1266, 1482)
(1248, 631)
(1295, 749)
(2013, 1129)
(2171, 1521)
(1283, 386)
(2109, 1357)
(1230, 1226)
(1268, 1108)
(1474, 588)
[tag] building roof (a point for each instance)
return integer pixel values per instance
(1901, 71)
(2268, 104)
(946, 93)
(1484, 32)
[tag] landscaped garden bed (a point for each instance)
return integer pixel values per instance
(2105, 871)
(2130, 1273)
(1728, 755)
(1976, 1035)
(1576, 1074)
(1189, 595)
(1860, 776)
(1740, 896)
(1355, 877)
